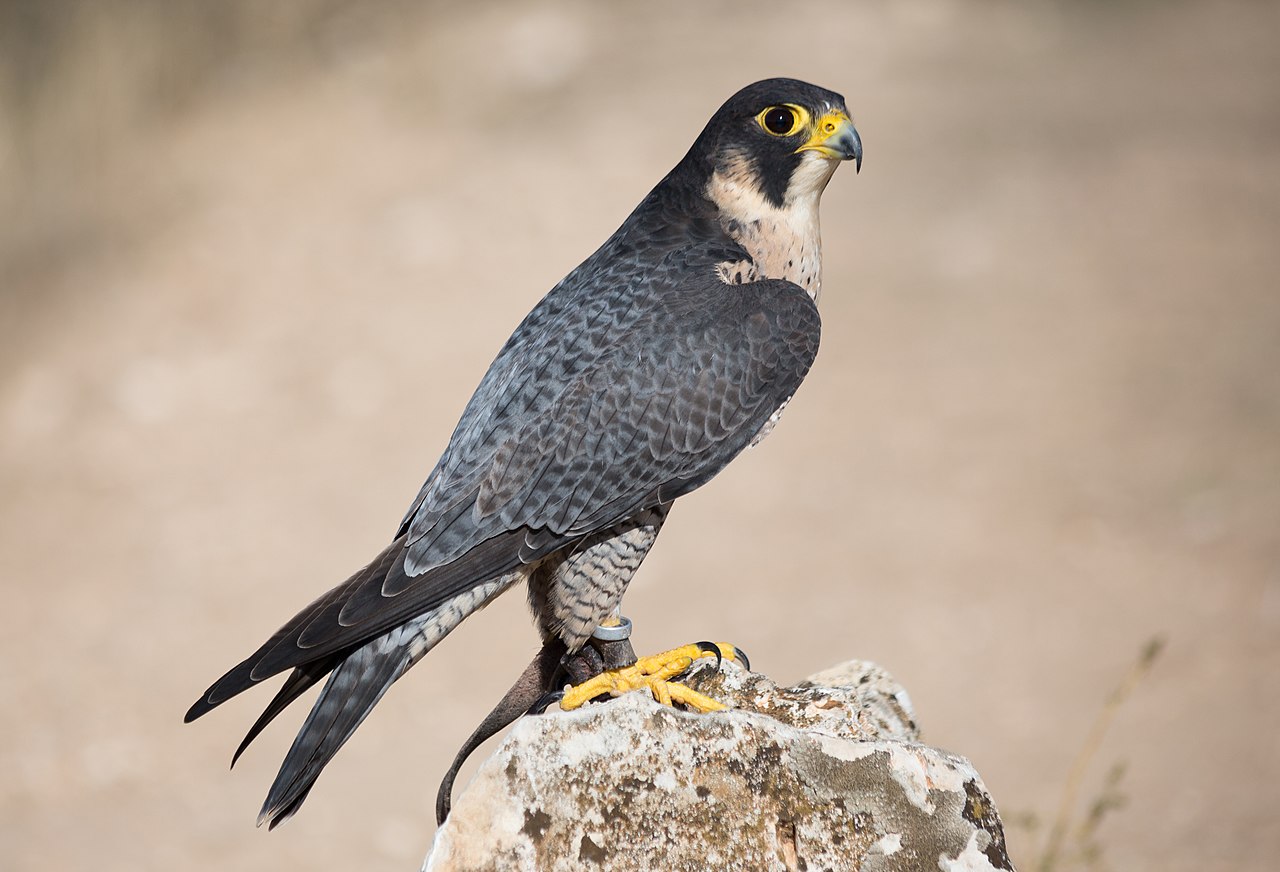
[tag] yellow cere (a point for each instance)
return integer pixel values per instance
(828, 126)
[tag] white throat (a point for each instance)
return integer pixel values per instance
(784, 242)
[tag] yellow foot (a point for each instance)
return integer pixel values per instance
(655, 673)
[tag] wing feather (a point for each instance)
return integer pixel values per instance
(651, 409)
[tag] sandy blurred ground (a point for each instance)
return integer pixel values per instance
(253, 264)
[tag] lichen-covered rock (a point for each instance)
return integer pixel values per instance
(827, 775)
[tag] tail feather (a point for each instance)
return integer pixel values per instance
(354, 688)
(372, 602)
(298, 682)
(250, 671)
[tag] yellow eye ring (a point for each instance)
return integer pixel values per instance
(784, 120)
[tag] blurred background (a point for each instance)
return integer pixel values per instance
(254, 258)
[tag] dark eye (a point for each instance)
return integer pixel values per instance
(779, 120)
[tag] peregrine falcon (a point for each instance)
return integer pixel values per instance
(635, 380)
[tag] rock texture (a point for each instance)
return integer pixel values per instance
(827, 775)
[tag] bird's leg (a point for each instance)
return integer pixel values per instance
(596, 657)
(613, 654)
(593, 658)
(608, 648)
(654, 673)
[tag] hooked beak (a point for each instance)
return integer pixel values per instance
(835, 138)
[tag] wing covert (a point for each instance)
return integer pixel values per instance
(658, 415)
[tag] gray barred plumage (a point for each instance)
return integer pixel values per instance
(634, 381)
(571, 594)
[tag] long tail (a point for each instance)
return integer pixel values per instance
(352, 691)
(357, 684)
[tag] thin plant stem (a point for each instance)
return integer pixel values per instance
(1062, 820)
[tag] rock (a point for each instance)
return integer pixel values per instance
(827, 775)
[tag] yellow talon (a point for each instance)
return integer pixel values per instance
(652, 673)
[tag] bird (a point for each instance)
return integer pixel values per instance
(672, 348)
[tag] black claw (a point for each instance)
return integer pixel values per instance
(545, 701)
(712, 648)
(742, 655)
(562, 674)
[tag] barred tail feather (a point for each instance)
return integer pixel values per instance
(354, 688)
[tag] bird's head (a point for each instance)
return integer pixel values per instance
(781, 138)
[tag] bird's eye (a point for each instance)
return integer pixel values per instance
(779, 120)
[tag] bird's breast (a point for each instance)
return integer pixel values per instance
(781, 250)
(783, 242)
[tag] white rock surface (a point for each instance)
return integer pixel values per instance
(827, 775)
